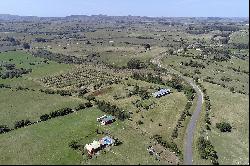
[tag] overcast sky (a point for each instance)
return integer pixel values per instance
(177, 8)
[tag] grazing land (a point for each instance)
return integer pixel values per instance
(58, 75)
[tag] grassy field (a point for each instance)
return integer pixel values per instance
(47, 143)
(30, 104)
(18, 105)
(240, 37)
(162, 118)
(38, 66)
(233, 147)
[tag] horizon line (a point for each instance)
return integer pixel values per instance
(129, 15)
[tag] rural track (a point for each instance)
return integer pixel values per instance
(188, 148)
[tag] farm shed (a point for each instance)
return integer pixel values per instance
(105, 119)
(106, 141)
(109, 119)
(161, 92)
(95, 146)
(101, 118)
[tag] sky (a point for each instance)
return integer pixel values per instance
(152, 8)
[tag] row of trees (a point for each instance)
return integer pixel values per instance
(60, 58)
(64, 111)
(206, 150)
(205, 147)
(15, 73)
(182, 118)
(61, 92)
(170, 145)
(22, 123)
(112, 109)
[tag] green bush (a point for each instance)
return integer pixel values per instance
(224, 127)
(44, 117)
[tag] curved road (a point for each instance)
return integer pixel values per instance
(188, 153)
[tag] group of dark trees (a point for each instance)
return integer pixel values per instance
(5, 86)
(112, 109)
(13, 41)
(202, 29)
(60, 58)
(176, 82)
(139, 91)
(12, 72)
(148, 77)
(239, 45)
(194, 64)
(39, 39)
(26, 45)
(218, 54)
(135, 64)
(224, 127)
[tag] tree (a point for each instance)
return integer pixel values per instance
(224, 127)
(26, 46)
(147, 47)
(134, 64)
(4, 129)
(171, 51)
(44, 117)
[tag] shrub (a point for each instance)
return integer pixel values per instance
(44, 117)
(224, 127)
(140, 122)
(22, 123)
(175, 133)
(74, 145)
(134, 64)
(4, 129)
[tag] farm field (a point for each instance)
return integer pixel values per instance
(55, 135)
(58, 75)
